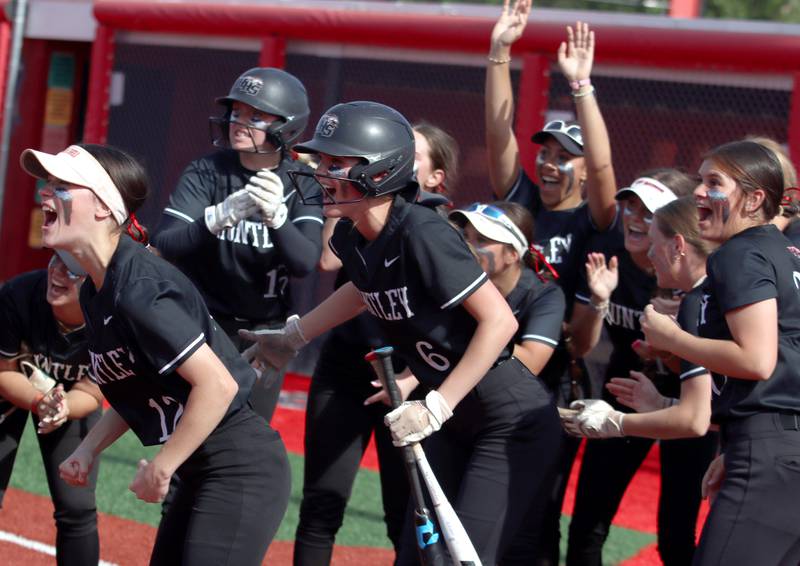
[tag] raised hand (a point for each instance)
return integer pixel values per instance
(602, 278)
(510, 25)
(576, 55)
(637, 392)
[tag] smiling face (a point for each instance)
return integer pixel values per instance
(70, 213)
(494, 257)
(62, 285)
(636, 221)
(560, 176)
(247, 128)
(664, 255)
(719, 203)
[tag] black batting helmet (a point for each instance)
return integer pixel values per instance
(377, 134)
(273, 91)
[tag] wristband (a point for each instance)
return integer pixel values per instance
(35, 403)
(577, 94)
(499, 61)
(601, 308)
(576, 85)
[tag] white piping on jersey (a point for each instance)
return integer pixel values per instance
(582, 298)
(178, 214)
(332, 247)
(464, 292)
(540, 338)
(304, 218)
(515, 187)
(8, 354)
(183, 353)
(692, 373)
(362, 257)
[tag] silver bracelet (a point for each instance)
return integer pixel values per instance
(584, 93)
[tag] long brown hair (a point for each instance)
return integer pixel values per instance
(443, 154)
(680, 217)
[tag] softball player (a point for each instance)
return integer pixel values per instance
(748, 327)
(615, 295)
(339, 422)
(168, 371)
(43, 343)
(232, 226)
(413, 272)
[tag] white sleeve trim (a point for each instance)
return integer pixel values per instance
(692, 373)
(178, 214)
(515, 187)
(464, 292)
(183, 353)
(9, 354)
(540, 338)
(307, 218)
(582, 298)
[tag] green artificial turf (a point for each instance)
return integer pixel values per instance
(363, 524)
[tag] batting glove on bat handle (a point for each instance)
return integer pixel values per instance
(267, 191)
(415, 420)
(235, 208)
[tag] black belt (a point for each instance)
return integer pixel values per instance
(760, 423)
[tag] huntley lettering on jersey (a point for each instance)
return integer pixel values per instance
(111, 366)
(556, 249)
(387, 304)
(249, 233)
(60, 371)
(623, 316)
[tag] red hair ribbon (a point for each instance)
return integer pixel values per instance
(136, 230)
(537, 257)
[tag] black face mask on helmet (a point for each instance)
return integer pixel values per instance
(379, 136)
(268, 90)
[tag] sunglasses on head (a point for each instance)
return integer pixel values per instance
(573, 131)
(497, 215)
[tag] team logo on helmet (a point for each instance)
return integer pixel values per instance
(327, 125)
(249, 85)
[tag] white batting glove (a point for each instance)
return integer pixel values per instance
(596, 419)
(37, 378)
(267, 191)
(414, 420)
(227, 214)
(274, 348)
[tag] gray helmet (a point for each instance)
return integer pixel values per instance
(377, 134)
(276, 92)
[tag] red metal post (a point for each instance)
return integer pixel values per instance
(97, 106)
(273, 52)
(684, 8)
(532, 100)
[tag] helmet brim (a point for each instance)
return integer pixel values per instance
(330, 147)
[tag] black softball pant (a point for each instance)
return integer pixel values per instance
(77, 543)
(755, 518)
(232, 496)
(267, 389)
(338, 429)
(495, 460)
(607, 469)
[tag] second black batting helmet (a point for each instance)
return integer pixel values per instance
(273, 91)
(377, 134)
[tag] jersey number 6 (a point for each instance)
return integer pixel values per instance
(436, 361)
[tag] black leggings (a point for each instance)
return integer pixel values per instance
(495, 460)
(607, 469)
(75, 511)
(232, 496)
(338, 429)
(755, 518)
